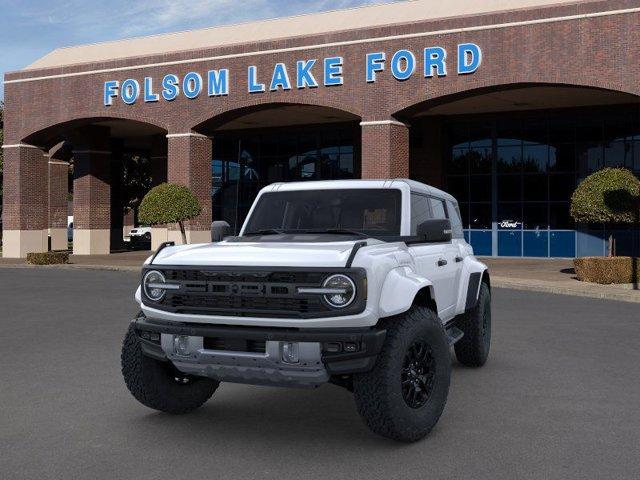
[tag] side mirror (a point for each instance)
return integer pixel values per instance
(219, 230)
(435, 230)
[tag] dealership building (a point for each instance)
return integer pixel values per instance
(506, 104)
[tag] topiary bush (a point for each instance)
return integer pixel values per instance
(169, 203)
(48, 258)
(609, 196)
(607, 270)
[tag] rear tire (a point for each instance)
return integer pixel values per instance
(159, 385)
(404, 395)
(473, 348)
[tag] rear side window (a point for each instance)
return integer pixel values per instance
(437, 208)
(420, 211)
(456, 222)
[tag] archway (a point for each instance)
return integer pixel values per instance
(263, 144)
(513, 155)
(112, 163)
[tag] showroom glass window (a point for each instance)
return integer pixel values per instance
(246, 161)
(519, 171)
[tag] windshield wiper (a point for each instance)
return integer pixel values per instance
(339, 231)
(266, 231)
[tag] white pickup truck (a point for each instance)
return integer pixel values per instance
(362, 283)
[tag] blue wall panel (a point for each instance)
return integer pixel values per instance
(510, 243)
(535, 244)
(562, 244)
(481, 242)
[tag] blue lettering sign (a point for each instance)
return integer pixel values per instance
(130, 91)
(280, 78)
(469, 58)
(254, 86)
(333, 71)
(192, 85)
(110, 92)
(149, 96)
(375, 63)
(434, 58)
(170, 87)
(403, 64)
(218, 81)
(304, 76)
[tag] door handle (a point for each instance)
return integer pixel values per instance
(442, 262)
(459, 259)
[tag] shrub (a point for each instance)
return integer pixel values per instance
(48, 258)
(610, 195)
(607, 270)
(169, 203)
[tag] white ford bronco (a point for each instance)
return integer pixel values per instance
(365, 284)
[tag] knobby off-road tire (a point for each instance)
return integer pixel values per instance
(386, 396)
(159, 385)
(472, 349)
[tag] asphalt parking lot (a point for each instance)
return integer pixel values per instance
(558, 398)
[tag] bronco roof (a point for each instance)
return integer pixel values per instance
(338, 184)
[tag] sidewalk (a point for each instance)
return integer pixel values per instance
(538, 275)
(552, 276)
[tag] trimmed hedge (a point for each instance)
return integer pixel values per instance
(607, 270)
(610, 195)
(48, 258)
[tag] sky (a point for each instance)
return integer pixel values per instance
(31, 29)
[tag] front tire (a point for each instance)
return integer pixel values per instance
(404, 395)
(159, 385)
(473, 348)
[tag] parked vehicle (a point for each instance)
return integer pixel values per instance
(139, 237)
(362, 283)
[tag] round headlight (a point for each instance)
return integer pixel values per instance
(150, 278)
(345, 291)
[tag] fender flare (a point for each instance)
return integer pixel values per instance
(473, 273)
(399, 290)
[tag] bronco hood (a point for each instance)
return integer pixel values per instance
(260, 254)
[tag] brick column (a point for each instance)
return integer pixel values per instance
(58, 190)
(385, 149)
(24, 201)
(159, 233)
(92, 192)
(189, 164)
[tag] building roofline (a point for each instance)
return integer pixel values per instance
(309, 24)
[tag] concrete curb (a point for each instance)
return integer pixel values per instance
(604, 292)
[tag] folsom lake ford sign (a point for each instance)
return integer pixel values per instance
(310, 73)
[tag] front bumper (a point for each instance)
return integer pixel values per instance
(318, 360)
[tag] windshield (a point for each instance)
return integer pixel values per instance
(371, 212)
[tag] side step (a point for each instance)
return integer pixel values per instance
(453, 335)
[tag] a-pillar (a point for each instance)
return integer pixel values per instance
(24, 200)
(58, 191)
(385, 149)
(189, 164)
(159, 233)
(92, 192)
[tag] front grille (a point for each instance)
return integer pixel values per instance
(240, 292)
(246, 305)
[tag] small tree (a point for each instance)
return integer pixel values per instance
(169, 203)
(609, 196)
